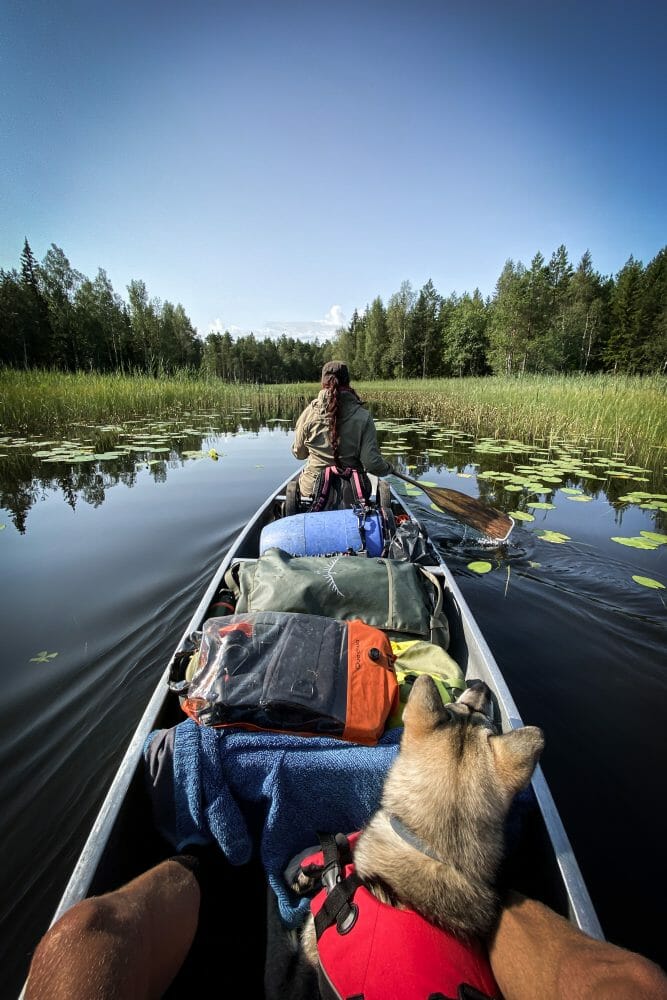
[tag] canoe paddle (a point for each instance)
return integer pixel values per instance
(468, 509)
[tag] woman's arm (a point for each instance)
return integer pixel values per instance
(299, 446)
(370, 456)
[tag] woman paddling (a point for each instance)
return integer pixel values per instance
(336, 429)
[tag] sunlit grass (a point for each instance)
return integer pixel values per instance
(625, 414)
(49, 402)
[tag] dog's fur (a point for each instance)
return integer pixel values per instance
(451, 785)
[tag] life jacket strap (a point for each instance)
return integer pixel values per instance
(338, 907)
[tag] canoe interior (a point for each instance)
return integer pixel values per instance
(233, 921)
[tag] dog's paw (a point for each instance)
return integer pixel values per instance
(305, 883)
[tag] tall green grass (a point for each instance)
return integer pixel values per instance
(620, 413)
(49, 402)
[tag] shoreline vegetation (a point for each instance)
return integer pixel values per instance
(624, 413)
(550, 318)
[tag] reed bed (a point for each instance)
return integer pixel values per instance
(41, 402)
(622, 413)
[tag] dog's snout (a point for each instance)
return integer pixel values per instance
(477, 697)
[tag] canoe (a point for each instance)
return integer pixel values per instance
(124, 840)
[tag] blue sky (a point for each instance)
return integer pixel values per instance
(275, 165)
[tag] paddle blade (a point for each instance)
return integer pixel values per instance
(471, 511)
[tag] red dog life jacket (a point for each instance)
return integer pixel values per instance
(371, 951)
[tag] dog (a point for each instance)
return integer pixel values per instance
(435, 844)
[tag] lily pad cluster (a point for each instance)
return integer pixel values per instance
(539, 480)
(647, 501)
(144, 442)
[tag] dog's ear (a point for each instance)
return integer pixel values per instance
(424, 709)
(516, 754)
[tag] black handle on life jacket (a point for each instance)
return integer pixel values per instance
(338, 907)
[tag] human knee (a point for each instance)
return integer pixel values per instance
(61, 944)
(90, 917)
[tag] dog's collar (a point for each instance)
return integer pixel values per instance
(411, 838)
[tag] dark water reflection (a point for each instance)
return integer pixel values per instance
(103, 562)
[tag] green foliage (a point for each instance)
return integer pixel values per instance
(426, 334)
(549, 318)
(465, 336)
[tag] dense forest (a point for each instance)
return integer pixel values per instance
(550, 317)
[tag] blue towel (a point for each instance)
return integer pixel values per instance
(272, 790)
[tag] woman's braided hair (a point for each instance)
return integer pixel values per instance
(335, 384)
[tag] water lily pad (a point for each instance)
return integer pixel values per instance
(571, 490)
(480, 567)
(635, 543)
(521, 515)
(646, 581)
(580, 499)
(655, 536)
(557, 537)
(513, 488)
(541, 506)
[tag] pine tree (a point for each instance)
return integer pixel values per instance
(651, 354)
(621, 350)
(36, 328)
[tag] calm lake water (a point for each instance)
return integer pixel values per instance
(107, 547)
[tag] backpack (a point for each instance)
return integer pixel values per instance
(386, 593)
(337, 489)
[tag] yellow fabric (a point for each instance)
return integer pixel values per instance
(415, 657)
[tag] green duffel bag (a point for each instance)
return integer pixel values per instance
(389, 594)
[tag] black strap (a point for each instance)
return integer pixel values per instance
(338, 907)
(361, 524)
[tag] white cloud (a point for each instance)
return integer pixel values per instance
(317, 329)
(335, 316)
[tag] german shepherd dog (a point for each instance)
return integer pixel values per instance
(436, 842)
